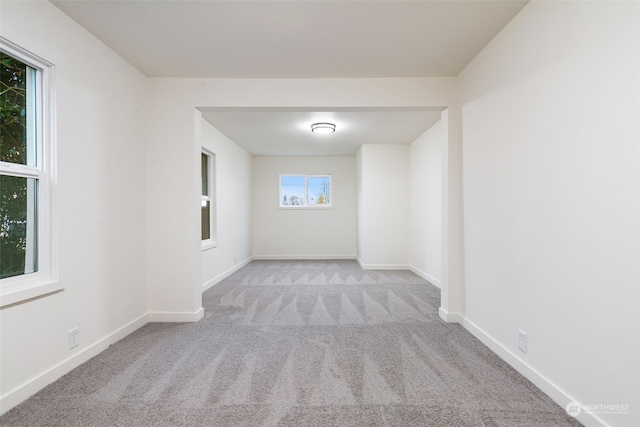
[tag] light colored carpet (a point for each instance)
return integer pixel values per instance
(298, 343)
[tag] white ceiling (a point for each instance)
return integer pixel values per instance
(294, 39)
(281, 132)
(299, 39)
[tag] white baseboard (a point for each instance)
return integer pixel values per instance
(301, 257)
(429, 278)
(450, 317)
(383, 266)
(175, 317)
(558, 395)
(226, 274)
(20, 394)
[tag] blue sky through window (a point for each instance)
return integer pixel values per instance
(318, 190)
(301, 190)
(292, 191)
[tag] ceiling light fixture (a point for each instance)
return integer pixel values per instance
(323, 128)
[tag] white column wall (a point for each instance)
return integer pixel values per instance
(425, 204)
(383, 241)
(452, 253)
(173, 211)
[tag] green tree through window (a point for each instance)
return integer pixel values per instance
(15, 191)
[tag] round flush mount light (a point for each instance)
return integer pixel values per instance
(323, 128)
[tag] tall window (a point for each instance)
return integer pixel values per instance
(25, 168)
(305, 191)
(208, 199)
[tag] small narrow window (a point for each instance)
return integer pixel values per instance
(208, 202)
(305, 191)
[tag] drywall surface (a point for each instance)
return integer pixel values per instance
(232, 183)
(100, 205)
(359, 205)
(383, 206)
(551, 197)
(425, 203)
(304, 233)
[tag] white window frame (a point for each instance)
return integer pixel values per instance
(212, 241)
(306, 191)
(45, 280)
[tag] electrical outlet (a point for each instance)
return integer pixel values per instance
(73, 338)
(522, 341)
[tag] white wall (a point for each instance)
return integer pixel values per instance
(304, 233)
(383, 206)
(101, 199)
(551, 197)
(425, 204)
(233, 201)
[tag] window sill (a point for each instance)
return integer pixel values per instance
(306, 208)
(28, 289)
(209, 245)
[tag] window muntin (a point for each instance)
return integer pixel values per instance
(27, 257)
(305, 191)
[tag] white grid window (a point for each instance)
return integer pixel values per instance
(305, 191)
(27, 256)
